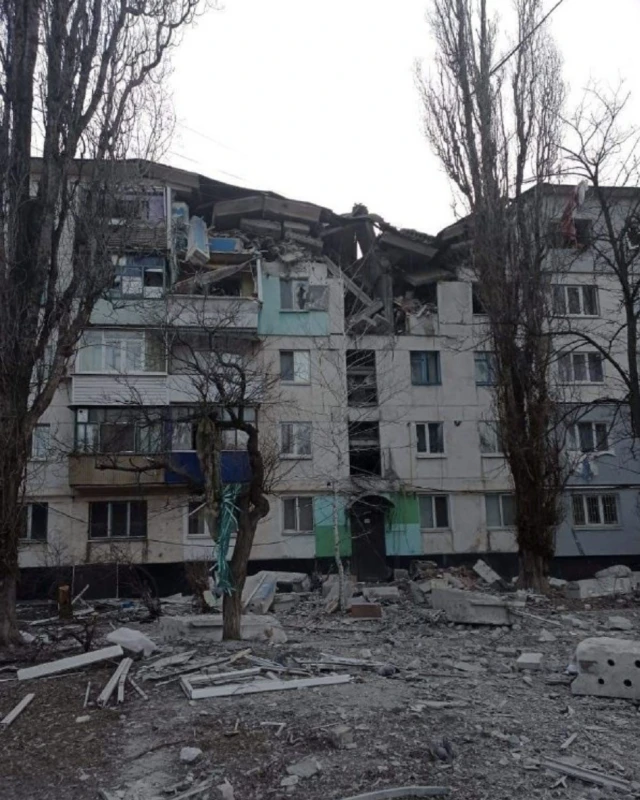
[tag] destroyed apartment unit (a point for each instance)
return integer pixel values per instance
(363, 360)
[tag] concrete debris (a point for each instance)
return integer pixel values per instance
(472, 608)
(226, 790)
(404, 791)
(208, 627)
(468, 666)
(27, 638)
(306, 768)
(190, 754)
(114, 680)
(616, 571)
(259, 591)
(258, 686)
(608, 667)
(364, 610)
(400, 575)
(84, 718)
(587, 775)
(546, 636)
(331, 590)
(530, 661)
(341, 737)
(382, 593)
(132, 640)
(619, 624)
(285, 602)
(72, 662)
(557, 583)
(488, 575)
(576, 622)
(289, 781)
(598, 587)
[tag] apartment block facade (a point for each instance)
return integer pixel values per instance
(372, 391)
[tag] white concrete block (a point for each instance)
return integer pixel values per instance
(471, 608)
(616, 571)
(608, 667)
(132, 640)
(598, 587)
(488, 575)
(208, 627)
(530, 661)
(619, 624)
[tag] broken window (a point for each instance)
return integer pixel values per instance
(297, 514)
(425, 367)
(595, 509)
(34, 522)
(490, 438)
(500, 510)
(364, 448)
(138, 276)
(589, 437)
(118, 519)
(430, 438)
(41, 442)
(362, 388)
(295, 438)
(581, 368)
(477, 306)
(119, 430)
(294, 366)
(434, 511)
(561, 236)
(294, 294)
(485, 368)
(197, 524)
(575, 301)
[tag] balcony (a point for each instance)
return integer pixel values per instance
(113, 472)
(215, 313)
(108, 390)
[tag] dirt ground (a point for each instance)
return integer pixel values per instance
(444, 689)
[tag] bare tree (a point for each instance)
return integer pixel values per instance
(80, 82)
(496, 130)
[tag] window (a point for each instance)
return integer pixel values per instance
(294, 366)
(575, 301)
(364, 449)
(118, 520)
(595, 509)
(183, 427)
(589, 437)
(490, 438)
(34, 522)
(40, 443)
(485, 368)
(581, 368)
(362, 389)
(296, 439)
(430, 438)
(297, 514)
(121, 352)
(425, 367)
(294, 294)
(501, 510)
(119, 430)
(575, 233)
(434, 511)
(138, 276)
(477, 306)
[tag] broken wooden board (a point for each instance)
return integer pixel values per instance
(403, 791)
(72, 662)
(126, 666)
(588, 775)
(232, 689)
(105, 694)
(17, 710)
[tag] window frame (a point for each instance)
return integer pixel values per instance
(502, 526)
(561, 308)
(27, 524)
(107, 334)
(428, 452)
(575, 438)
(476, 302)
(494, 427)
(294, 283)
(488, 357)
(424, 367)
(294, 438)
(46, 447)
(585, 510)
(306, 373)
(433, 496)
(298, 531)
(565, 358)
(109, 535)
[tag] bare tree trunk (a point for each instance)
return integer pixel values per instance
(534, 564)
(9, 633)
(232, 603)
(232, 615)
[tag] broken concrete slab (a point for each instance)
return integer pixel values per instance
(132, 640)
(341, 737)
(417, 595)
(382, 593)
(72, 662)
(530, 661)
(293, 581)
(286, 601)
(598, 587)
(619, 624)
(259, 591)
(400, 575)
(306, 768)
(331, 581)
(488, 575)
(608, 667)
(472, 608)
(208, 627)
(546, 636)
(557, 583)
(616, 571)
(190, 754)
(576, 622)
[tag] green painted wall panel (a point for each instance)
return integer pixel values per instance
(273, 322)
(402, 535)
(323, 526)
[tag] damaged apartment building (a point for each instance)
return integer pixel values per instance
(368, 377)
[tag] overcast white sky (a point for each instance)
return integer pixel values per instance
(316, 101)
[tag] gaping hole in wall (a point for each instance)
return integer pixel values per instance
(362, 387)
(412, 301)
(364, 449)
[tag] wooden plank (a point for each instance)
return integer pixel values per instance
(17, 710)
(63, 664)
(86, 694)
(587, 775)
(126, 666)
(351, 285)
(404, 791)
(79, 595)
(142, 693)
(105, 694)
(76, 615)
(232, 689)
(225, 677)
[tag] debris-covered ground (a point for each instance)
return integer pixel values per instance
(430, 703)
